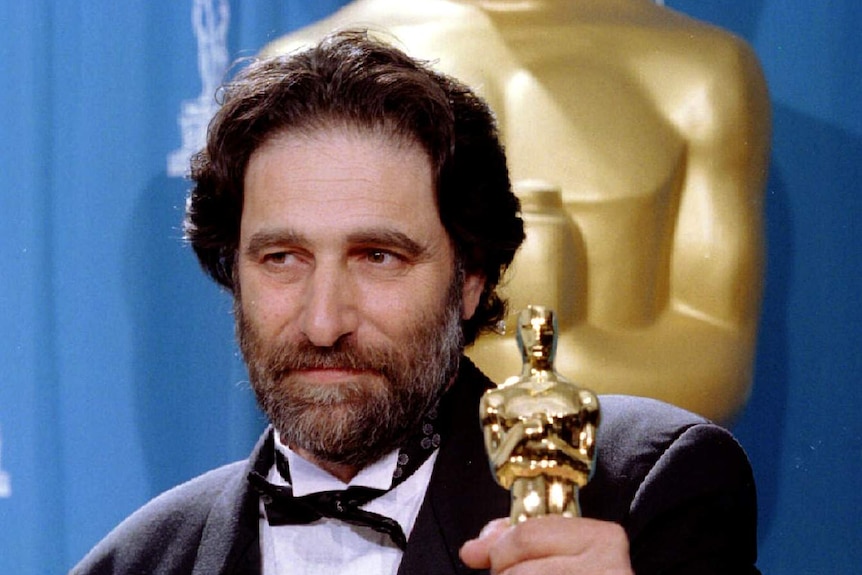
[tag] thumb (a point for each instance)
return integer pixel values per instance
(475, 553)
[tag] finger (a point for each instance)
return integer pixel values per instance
(548, 566)
(598, 543)
(475, 553)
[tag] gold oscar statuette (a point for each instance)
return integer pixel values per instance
(539, 427)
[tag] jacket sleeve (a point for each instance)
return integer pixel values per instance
(695, 510)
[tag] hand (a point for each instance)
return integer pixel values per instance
(550, 545)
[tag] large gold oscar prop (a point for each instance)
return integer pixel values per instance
(540, 428)
(650, 133)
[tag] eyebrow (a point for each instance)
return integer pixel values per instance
(382, 237)
(267, 239)
(388, 238)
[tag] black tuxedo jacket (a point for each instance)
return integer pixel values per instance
(680, 486)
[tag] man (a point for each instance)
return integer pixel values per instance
(357, 204)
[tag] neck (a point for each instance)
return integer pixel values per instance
(340, 471)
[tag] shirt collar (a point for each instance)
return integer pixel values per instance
(309, 478)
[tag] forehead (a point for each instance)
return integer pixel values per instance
(340, 177)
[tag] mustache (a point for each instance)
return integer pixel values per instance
(344, 354)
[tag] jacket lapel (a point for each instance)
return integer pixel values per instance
(230, 539)
(462, 495)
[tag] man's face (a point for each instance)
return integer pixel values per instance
(349, 305)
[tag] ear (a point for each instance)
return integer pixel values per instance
(474, 285)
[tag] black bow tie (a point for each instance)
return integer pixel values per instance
(283, 508)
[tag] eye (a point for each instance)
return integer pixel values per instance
(380, 257)
(279, 259)
(275, 257)
(285, 265)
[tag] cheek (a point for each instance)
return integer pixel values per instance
(386, 309)
(401, 305)
(272, 324)
(270, 311)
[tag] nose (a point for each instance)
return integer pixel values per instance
(329, 310)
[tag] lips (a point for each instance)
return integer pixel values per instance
(331, 375)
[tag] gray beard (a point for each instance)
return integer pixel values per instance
(356, 422)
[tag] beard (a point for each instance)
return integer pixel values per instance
(358, 421)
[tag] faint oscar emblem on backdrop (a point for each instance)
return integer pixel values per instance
(5, 480)
(210, 19)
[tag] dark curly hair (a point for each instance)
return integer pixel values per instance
(351, 79)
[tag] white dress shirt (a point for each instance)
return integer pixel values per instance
(329, 546)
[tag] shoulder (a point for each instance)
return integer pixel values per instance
(698, 44)
(163, 535)
(639, 425)
(681, 486)
(703, 69)
(641, 440)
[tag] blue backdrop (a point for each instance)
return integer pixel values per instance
(119, 373)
